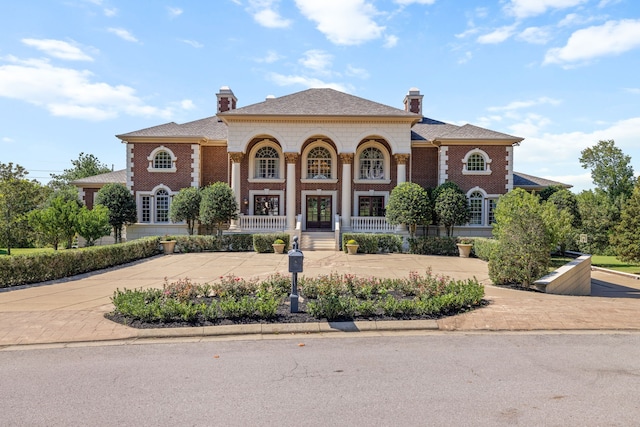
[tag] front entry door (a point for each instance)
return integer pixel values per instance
(318, 212)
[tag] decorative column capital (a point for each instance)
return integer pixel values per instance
(291, 157)
(236, 157)
(346, 158)
(401, 159)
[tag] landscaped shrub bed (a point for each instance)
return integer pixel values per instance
(431, 245)
(483, 247)
(332, 297)
(202, 243)
(43, 266)
(373, 243)
(262, 242)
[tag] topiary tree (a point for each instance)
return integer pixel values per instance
(185, 206)
(626, 239)
(93, 223)
(409, 204)
(452, 208)
(121, 204)
(218, 205)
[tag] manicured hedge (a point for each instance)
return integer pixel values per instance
(224, 243)
(262, 242)
(431, 245)
(40, 267)
(373, 243)
(483, 247)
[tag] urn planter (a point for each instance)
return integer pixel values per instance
(464, 249)
(168, 246)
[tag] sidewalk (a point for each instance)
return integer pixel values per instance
(72, 310)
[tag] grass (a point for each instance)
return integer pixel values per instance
(613, 263)
(24, 251)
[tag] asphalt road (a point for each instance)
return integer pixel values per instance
(412, 379)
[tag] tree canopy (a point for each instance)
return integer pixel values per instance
(218, 205)
(185, 206)
(121, 204)
(626, 239)
(409, 204)
(611, 169)
(85, 165)
(452, 208)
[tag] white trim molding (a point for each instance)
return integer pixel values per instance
(386, 177)
(155, 152)
(252, 162)
(485, 157)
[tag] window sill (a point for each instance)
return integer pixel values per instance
(173, 169)
(318, 181)
(466, 172)
(372, 181)
(266, 180)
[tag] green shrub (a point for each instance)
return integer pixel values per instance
(373, 243)
(482, 247)
(224, 243)
(431, 245)
(262, 242)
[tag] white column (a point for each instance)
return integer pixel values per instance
(236, 158)
(347, 160)
(401, 162)
(291, 159)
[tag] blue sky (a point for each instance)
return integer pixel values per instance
(562, 74)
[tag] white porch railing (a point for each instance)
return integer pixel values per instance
(262, 222)
(371, 224)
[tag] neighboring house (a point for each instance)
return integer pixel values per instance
(316, 160)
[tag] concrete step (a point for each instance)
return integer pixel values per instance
(318, 242)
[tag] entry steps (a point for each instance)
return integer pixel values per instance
(318, 241)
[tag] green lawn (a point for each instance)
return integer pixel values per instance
(24, 251)
(613, 263)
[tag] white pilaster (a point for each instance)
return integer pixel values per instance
(291, 159)
(347, 160)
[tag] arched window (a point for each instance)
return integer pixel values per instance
(319, 163)
(476, 201)
(267, 163)
(162, 159)
(476, 162)
(371, 164)
(162, 205)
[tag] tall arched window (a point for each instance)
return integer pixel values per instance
(162, 206)
(476, 201)
(371, 164)
(267, 163)
(319, 163)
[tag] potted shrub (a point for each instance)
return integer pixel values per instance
(352, 247)
(278, 246)
(168, 245)
(464, 247)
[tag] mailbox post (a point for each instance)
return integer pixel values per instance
(296, 259)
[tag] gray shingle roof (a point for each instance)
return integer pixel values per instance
(210, 128)
(431, 130)
(319, 102)
(116, 177)
(530, 182)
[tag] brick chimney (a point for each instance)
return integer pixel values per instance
(226, 99)
(413, 101)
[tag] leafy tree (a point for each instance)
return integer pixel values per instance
(58, 220)
(86, 165)
(218, 205)
(611, 170)
(598, 218)
(565, 200)
(626, 239)
(185, 206)
(547, 192)
(18, 196)
(44, 222)
(93, 223)
(452, 208)
(409, 204)
(121, 204)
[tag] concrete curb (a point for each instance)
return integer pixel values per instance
(619, 273)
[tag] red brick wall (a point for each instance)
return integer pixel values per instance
(144, 180)
(89, 196)
(492, 184)
(214, 165)
(424, 166)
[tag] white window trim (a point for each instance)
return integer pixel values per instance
(267, 192)
(152, 156)
(334, 163)
(487, 162)
(152, 204)
(370, 193)
(485, 206)
(387, 163)
(252, 162)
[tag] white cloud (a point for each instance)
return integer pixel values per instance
(518, 105)
(408, 2)
(308, 82)
(265, 13)
(465, 58)
(357, 72)
(611, 38)
(123, 34)
(271, 57)
(390, 41)
(187, 104)
(58, 49)
(110, 12)
(573, 19)
(317, 60)
(535, 35)
(7, 140)
(634, 90)
(498, 35)
(192, 43)
(343, 22)
(528, 8)
(70, 93)
(174, 11)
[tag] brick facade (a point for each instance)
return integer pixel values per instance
(496, 183)
(144, 180)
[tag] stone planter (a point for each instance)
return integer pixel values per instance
(352, 249)
(168, 246)
(278, 248)
(464, 249)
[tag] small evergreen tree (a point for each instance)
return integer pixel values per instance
(598, 218)
(121, 204)
(218, 205)
(185, 206)
(452, 208)
(626, 239)
(409, 204)
(93, 223)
